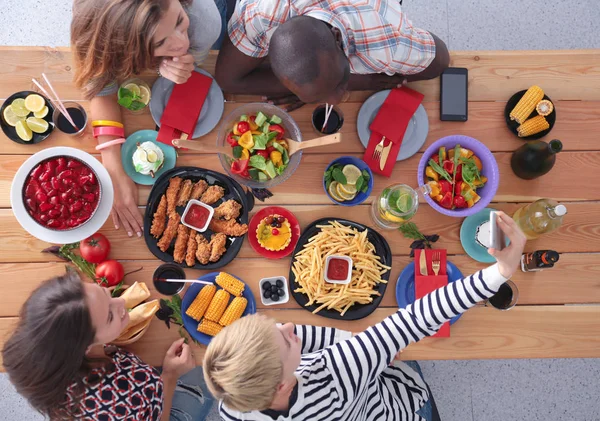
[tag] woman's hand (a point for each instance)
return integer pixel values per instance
(177, 69)
(125, 212)
(509, 258)
(178, 359)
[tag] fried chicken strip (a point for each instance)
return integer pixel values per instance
(230, 227)
(228, 210)
(203, 251)
(160, 218)
(192, 246)
(173, 193)
(183, 234)
(212, 195)
(199, 189)
(217, 243)
(184, 193)
(170, 231)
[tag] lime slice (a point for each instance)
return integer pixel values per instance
(152, 156)
(333, 191)
(348, 188)
(42, 113)
(133, 88)
(23, 131)
(352, 173)
(34, 103)
(404, 203)
(343, 194)
(144, 94)
(10, 117)
(37, 125)
(18, 107)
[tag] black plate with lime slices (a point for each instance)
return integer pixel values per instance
(10, 130)
(357, 311)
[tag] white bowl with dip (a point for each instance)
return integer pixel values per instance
(204, 213)
(338, 264)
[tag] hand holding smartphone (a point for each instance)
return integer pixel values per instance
(497, 238)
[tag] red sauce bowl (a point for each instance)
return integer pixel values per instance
(62, 193)
(338, 269)
(197, 215)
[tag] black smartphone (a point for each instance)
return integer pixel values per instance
(497, 238)
(454, 94)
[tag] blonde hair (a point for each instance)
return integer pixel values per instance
(242, 366)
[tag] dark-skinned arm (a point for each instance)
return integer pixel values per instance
(238, 73)
(383, 81)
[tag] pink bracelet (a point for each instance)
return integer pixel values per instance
(109, 131)
(110, 143)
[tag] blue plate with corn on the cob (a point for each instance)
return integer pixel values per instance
(228, 293)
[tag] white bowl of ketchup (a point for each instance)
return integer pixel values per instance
(338, 269)
(197, 215)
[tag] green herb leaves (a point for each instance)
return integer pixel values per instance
(440, 170)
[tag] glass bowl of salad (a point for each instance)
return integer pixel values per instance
(258, 135)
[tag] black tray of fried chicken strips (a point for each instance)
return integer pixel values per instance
(171, 241)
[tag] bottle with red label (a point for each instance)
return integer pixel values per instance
(538, 260)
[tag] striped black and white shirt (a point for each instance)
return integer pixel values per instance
(349, 378)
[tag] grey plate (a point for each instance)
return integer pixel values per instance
(212, 110)
(416, 131)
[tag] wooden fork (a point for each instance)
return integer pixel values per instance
(435, 262)
(378, 149)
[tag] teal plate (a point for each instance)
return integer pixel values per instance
(468, 233)
(129, 148)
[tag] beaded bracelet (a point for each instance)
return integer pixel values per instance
(109, 131)
(110, 143)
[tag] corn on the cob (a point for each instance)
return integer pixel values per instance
(217, 306)
(209, 328)
(527, 104)
(198, 307)
(230, 284)
(234, 311)
(544, 107)
(532, 126)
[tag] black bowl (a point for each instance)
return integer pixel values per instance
(513, 125)
(11, 132)
(168, 271)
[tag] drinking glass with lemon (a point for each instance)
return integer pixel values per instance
(134, 95)
(395, 205)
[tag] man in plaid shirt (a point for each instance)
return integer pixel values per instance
(309, 51)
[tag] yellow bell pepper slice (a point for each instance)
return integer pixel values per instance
(253, 125)
(235, 130)
(283, 143)
(478, 163)
(444, 155)
(466, 153)
(256, 132)
(435, 188)
(276, 158)
(246, 141)
(430, 172)
(245, 154)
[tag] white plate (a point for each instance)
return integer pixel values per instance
(61, 237)
(416, 131)
(211, 112)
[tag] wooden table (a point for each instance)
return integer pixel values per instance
(557, 314)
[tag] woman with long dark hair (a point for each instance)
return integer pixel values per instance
(57, 360)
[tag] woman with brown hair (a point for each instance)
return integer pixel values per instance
(115, 39)
(56, 359)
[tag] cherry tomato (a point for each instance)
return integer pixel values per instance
(109, 273)
(277, 128)
(270, 149)
(460, 202)
(445, 187)
(264, 154)
(95, 249)
(458, 176)
(243, 127)
(240, 167)
(449, 166)
(446, 201)
(436, 158)
(231, 139)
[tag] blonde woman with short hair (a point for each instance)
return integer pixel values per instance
(262, 371)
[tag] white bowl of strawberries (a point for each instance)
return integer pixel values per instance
(61, 195)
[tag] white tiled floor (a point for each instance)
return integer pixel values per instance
(498, 390)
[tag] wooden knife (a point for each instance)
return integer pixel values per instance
(384, 155)
(423, 263)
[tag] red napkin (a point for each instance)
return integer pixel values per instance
(184, 107)
(391, 121)
(426, 284)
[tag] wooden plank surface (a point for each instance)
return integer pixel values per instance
(577, 124)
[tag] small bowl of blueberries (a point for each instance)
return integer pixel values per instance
(274, 291)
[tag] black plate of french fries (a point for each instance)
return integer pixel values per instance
(370, 251)
(168, 249)
(518, 128)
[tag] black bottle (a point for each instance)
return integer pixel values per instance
(535, 158)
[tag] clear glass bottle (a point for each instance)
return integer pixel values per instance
(539, 217)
